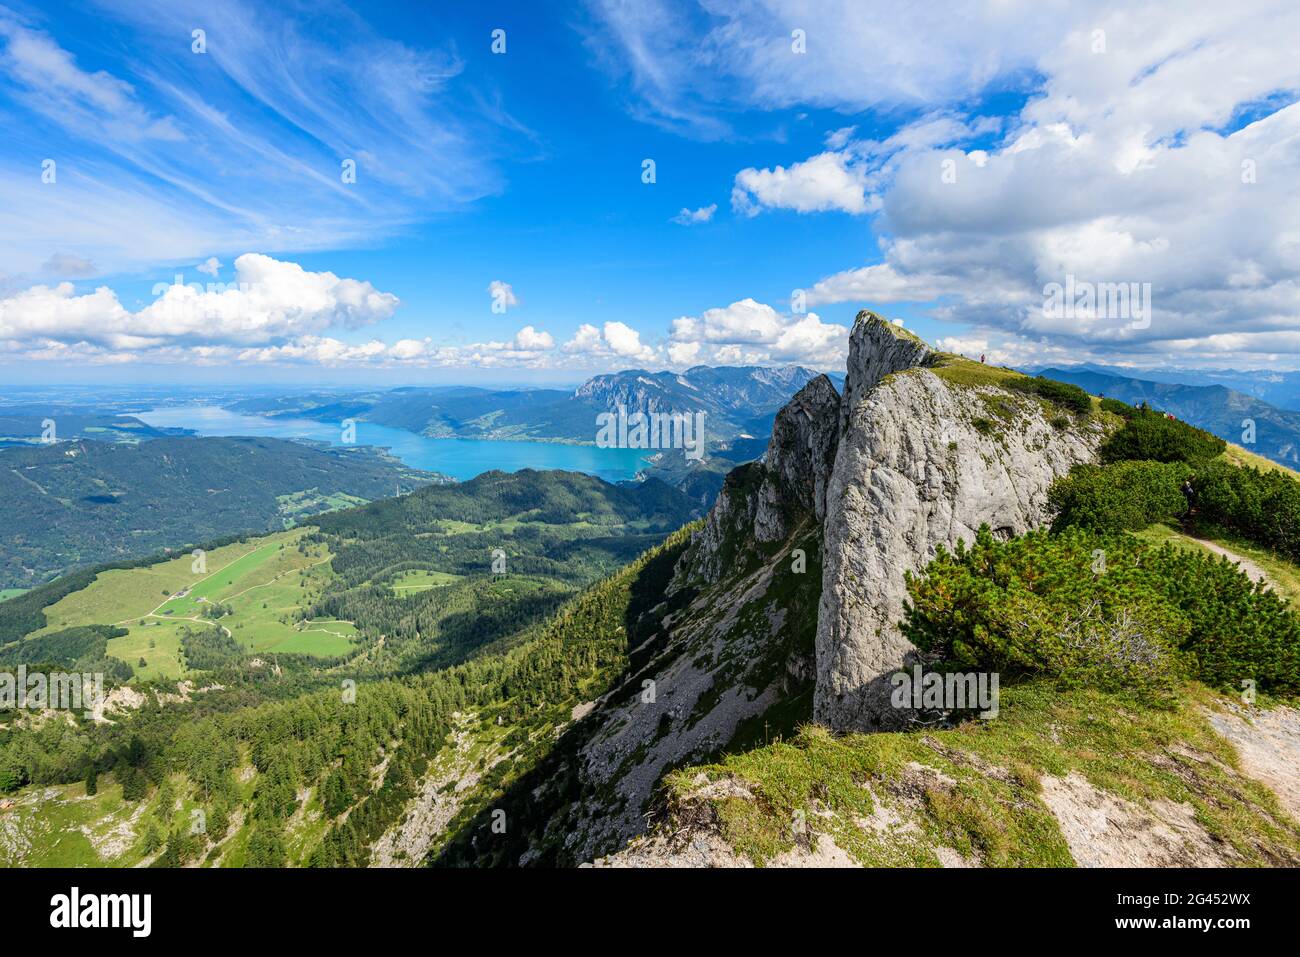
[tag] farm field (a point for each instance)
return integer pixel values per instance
(422, 579)
(260, 584)
(120, 594)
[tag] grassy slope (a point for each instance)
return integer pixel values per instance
(420, 580)
(123, 594)
(989, 810)
(1239, 456)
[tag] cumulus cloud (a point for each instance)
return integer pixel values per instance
(211, 266)
(529, 339)
(1157, 145)
(1143, 164)
(748, 332)
(273, 312)
(269, 299)
(828, 181)
(851, 174)
(689, 217)
(615, 340)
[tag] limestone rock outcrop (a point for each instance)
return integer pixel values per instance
(765, 501)
(799, 458)
(922, 460)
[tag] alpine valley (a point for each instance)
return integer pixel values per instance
(338, 660)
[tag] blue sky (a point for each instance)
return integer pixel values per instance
(941, 167)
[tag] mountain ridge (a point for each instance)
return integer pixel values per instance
(1218, 409)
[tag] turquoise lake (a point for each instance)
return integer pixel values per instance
(459, 458)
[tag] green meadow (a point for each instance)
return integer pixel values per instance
(421, 579)
(157, 643)
(262, 584)
(118, 595)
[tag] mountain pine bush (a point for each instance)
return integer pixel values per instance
(1122, 409)
(1263, 507)
(1062, 393)
(1102, 611)
(1125, 496)
(1150, 436)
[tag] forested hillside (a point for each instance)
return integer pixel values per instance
(284, 767)
(83, 503)
(29, 424)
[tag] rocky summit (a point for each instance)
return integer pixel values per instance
(926, 454)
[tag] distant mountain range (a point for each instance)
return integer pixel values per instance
(738, 402)
(1281, 389)
(1215, 408)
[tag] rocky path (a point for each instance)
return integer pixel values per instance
(1252, 570)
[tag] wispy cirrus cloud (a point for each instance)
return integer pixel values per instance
(692, 65)
(240, 146)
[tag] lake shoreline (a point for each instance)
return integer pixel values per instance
(463, 460)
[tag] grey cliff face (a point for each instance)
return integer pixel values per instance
(911, 473)
(766, 500)
(801, 453)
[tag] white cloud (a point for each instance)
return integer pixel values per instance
(684, 353)
(689, 217)
(98, 103)
(753, 333)
(692, 64)
(68, 266)
(828, 181)
(529, 339)
(1126, 162)
(614, 340)
(1134, 166)
(838, 139)
(881, 283)
(250, 159)
(211, 266)
(268, 299)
